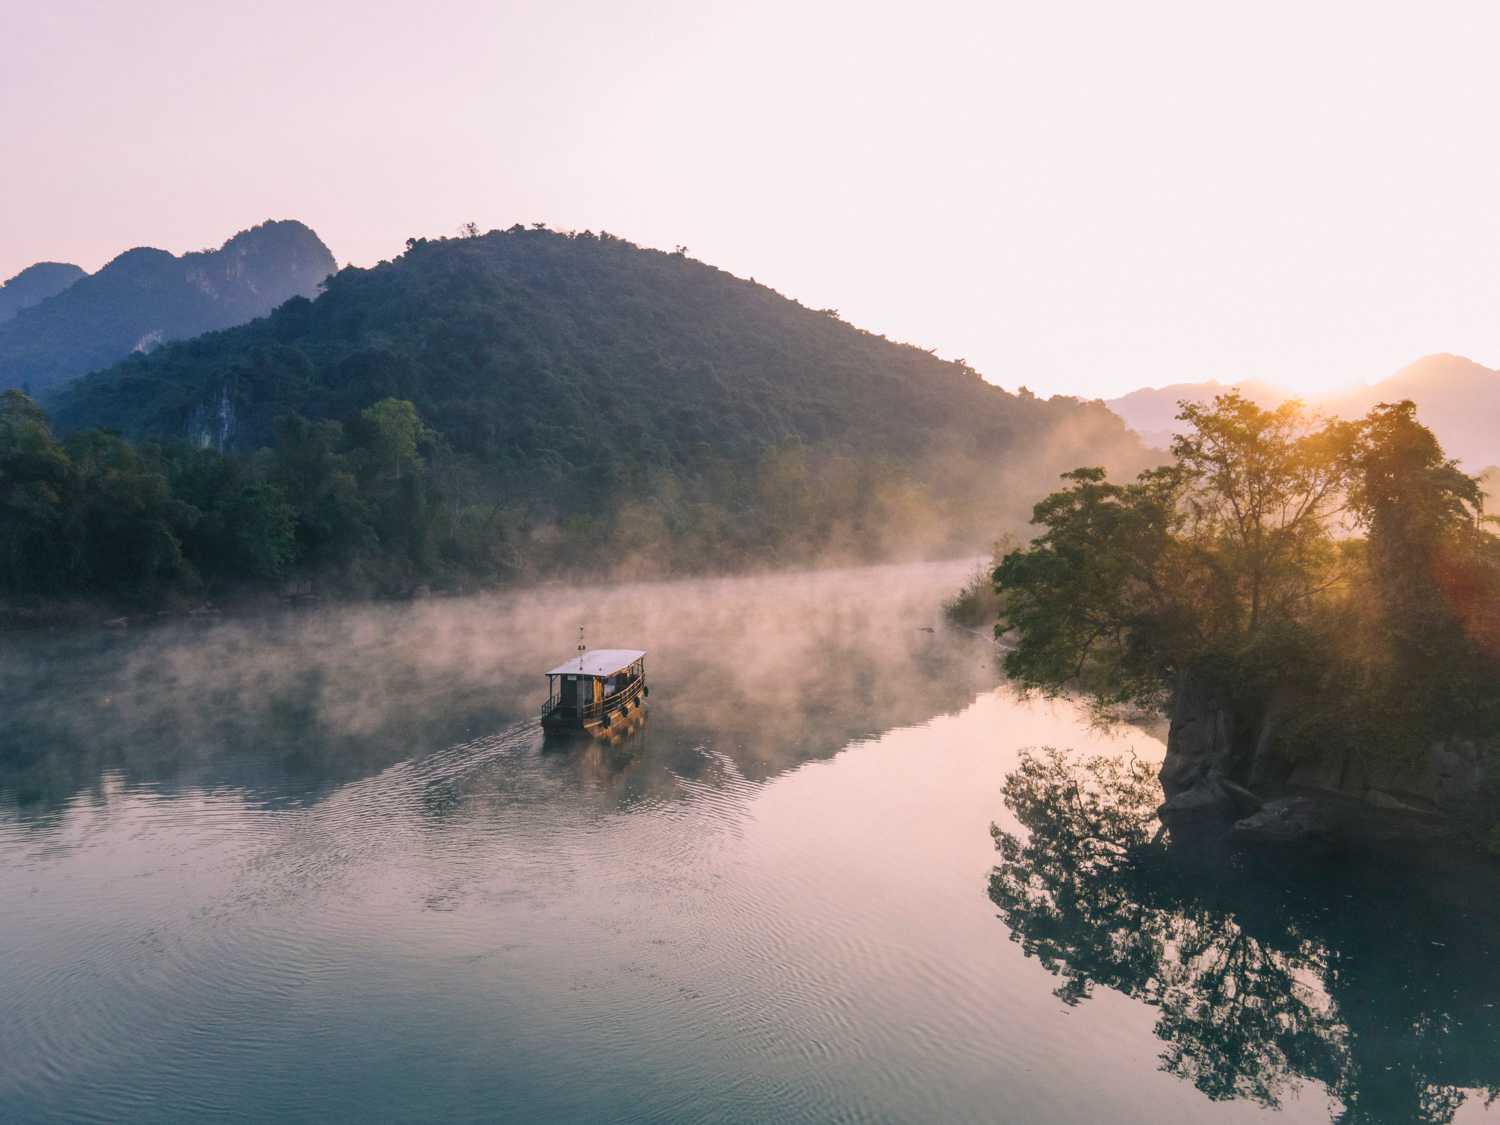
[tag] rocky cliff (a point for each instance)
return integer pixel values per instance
(1228, 774)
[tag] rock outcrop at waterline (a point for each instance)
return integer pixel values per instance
(1228, 775)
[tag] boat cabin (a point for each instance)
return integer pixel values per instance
(600, 691)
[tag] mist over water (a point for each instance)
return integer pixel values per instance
(322, 866)
(770, 670)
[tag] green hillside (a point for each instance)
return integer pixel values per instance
(580, 403)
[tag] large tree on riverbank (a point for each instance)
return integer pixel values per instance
(1278, 550)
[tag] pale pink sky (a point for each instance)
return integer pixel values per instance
(1079, 197)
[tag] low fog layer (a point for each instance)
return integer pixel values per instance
(768, 670)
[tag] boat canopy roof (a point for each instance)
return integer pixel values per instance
(598, 662)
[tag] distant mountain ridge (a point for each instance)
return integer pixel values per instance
(35, 284)
(146, 297)
(1458, 399)
(1152, 411)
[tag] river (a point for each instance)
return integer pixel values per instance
(321, 866)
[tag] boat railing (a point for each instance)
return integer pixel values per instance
(595, 710)
(611, 702)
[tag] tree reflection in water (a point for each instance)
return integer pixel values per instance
(1266, 974)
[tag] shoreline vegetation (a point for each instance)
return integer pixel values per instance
(1315, 604)
(101, 531)
(977, 603)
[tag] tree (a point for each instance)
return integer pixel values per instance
(1432, 637)
(1263, 485)
(35, 479)
(264, 528)
(126, 525)
(1415, 504)
(312, 467)
(391, 433)
(1094, 600)
(1238, 565)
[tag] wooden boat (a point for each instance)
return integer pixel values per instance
(600, 692)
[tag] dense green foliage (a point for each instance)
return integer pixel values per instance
(35, 284)
(577, 364)
(528, 404)
(1340, 572)
(99, 516)
(357, 505)
(145, 297)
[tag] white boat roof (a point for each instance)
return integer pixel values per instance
(599, 662)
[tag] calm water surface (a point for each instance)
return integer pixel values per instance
(324, 868)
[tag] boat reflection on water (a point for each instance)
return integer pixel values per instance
(1376, 983)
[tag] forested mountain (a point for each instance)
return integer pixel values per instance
(529, 403)
(1458, 399)
(145, 297)
(35, 284)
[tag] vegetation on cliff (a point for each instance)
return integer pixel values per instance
(1338, 572)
